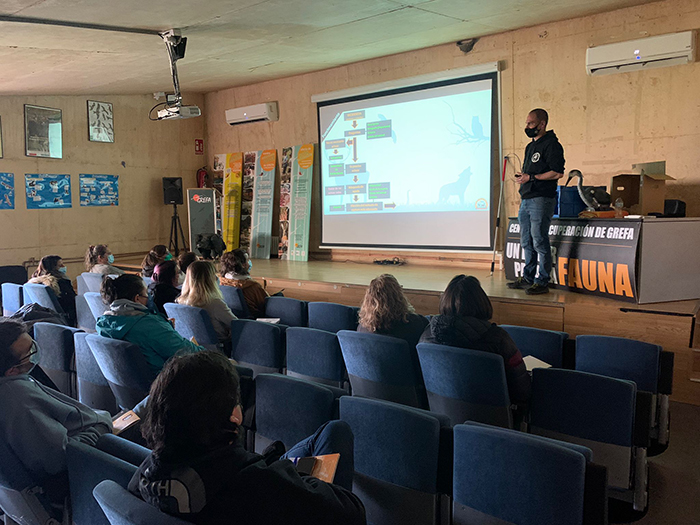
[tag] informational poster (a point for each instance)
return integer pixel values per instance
(263, 199)
(233, 166)
(295, 202)
(201, 208)
(47, 191)
(99, 190)
(43, 135)
(7, 191)
(249, 162)
(595, 256)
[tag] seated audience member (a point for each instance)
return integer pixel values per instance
(37, 422)
(129, 319)
(235, 271)
(164, 286)
(185, 259)
(158, 254)
(99, 259)
(465, 322)
(183, 262)
(201, 289)
(199, 471)
(386, 311)
(52, 272)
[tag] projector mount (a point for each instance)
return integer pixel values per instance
(175, 43)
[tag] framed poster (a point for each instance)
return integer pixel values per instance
(43, 135)
(0, 137)
(100, 121)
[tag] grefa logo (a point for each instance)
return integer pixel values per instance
(201, 199)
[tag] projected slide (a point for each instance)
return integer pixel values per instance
(399, 170)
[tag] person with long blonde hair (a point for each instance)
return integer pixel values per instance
(386, 311)
(201, 289)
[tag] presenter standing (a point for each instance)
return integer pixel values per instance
(543, 166)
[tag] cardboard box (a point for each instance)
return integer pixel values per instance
(644, 191)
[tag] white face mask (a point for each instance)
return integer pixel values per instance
(63, 270)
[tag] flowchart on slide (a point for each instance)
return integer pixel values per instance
(346, 165)
(377, 160)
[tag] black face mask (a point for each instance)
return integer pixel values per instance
(532, 132)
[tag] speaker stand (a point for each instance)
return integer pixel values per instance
(176, 233)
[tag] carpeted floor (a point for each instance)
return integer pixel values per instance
(674, 476)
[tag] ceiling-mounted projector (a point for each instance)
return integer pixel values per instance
(179, 112)
(266, 112)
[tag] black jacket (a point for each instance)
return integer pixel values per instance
(542, 155)
(477, 334)
(163, 293)
(230, 486)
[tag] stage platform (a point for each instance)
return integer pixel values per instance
(672, 325)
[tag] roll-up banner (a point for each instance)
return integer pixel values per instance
(263, 198)
(249, 161)
(295, 202)
(232, 199)
(596, 256)
(201, 210)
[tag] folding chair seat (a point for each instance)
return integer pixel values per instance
(465, 384)
(382, 367)
(599, 413)
(332, 317)
(315, 355)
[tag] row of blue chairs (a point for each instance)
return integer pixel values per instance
(463, 384)
(602, 413)
(410, 467)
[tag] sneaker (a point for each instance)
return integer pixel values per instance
(519, 284)
(537, 289)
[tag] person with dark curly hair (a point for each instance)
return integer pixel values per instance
(199, 471)
(386, 311)
(234, 268)
(158, 254)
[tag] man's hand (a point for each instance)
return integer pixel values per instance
(522, 178)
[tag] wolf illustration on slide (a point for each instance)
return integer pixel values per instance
(456, 188)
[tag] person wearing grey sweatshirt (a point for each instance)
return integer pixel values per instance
(37, 422)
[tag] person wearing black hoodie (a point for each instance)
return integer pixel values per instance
(542, 168)
(465, 322)
(200, 472)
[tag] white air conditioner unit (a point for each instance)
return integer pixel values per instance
(257, 113)
(645, 53)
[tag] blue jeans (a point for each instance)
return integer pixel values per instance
(535, 217)
(331, 438)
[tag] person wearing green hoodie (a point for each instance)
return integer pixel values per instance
(129, 319)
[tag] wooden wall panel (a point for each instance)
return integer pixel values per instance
(547, 317)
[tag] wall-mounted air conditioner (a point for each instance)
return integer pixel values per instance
(257, 113)
(645, 53)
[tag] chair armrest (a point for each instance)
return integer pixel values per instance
(642, 419)
(595, 495)
(666, 372)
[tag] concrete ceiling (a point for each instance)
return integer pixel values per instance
(237, 42)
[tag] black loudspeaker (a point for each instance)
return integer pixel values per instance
(172, 190)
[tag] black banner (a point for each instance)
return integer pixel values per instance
(593, 256)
